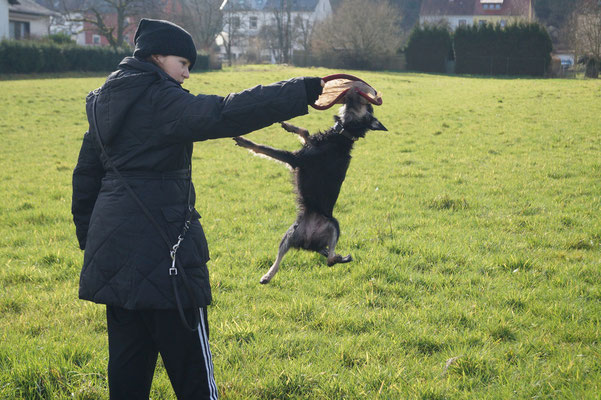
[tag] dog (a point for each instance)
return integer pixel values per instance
(319, 169)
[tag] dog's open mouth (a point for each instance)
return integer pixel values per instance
(337, 86)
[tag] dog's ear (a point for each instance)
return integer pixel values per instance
(377, 125)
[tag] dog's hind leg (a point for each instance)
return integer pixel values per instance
(285, 244)
(303, 133)
(280, 155)
(334, 233)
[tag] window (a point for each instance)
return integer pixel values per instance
(485, 6)
(462, 22)
(18, 30)
(236, 22)
(497, 6)
(253, 22)
(96, 39)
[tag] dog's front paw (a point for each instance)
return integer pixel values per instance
(240, 141)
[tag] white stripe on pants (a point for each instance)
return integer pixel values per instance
(204, 342)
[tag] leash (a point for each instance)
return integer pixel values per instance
(175, 269)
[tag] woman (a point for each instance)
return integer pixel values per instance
(133, 198)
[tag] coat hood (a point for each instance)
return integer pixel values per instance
(113, 100)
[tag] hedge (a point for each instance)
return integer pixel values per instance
(428, 49)
(518, 49)
(28, 56)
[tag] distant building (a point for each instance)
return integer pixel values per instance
(23, 19)
(456, 13)
(93, 38)
(244, 19)
(69, 24)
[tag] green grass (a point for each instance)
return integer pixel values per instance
(474, 225)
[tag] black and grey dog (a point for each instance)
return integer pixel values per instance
(319, 168)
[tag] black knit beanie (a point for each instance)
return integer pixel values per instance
(155, 36)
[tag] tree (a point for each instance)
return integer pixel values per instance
(586, 35)
(361, 33)
(278, 35)
(409, 10)
(553, 12)
(99, 13)
(231, 32)
(428, 48)
(202, 18)
(303, 34)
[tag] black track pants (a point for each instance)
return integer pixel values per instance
(135, 340)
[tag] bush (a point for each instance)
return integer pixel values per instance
(359, 35)
(428, 49)
(27, 56)
(518, 49)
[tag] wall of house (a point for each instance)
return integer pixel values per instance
(322, 10)
(494, 19)
(453, 20)
(248, 41)
(3, 19)
(38, 25)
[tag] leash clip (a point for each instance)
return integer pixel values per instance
(173, 269)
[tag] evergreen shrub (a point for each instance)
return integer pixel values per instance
(428, 48)
(517, 49)
(29, 56)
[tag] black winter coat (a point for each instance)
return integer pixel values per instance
(148, 124)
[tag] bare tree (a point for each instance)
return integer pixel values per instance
(586, 35)
(278, 34)
(232, 30)
(100, 14)
(303, 34)
(360, 31)
(202, 18)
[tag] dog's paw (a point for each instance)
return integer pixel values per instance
(240, 141)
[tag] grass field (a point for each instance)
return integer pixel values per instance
(474, 224)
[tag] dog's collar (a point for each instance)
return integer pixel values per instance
(339, 129)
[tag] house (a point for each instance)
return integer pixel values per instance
(69, 24)
(467, 12)
(91, 37)
(23, 19)
(4, 4)
(453, 12)
(245, 19)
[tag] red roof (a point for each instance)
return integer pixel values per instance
(447, 7)
(474, 7)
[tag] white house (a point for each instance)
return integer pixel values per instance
(22, 19)
(244, 19)
(71, 25)
(4, 24)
